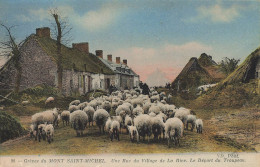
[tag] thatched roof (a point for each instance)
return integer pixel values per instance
(72, 58)
(245, 71)
(206, 60)
(199, 72)
(193, 74)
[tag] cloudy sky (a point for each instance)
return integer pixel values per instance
(153, 35)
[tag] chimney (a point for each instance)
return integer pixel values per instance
(109, 58)
(117, 60)
(125, 61)
(43, 32)
(83, 47)
(99, 53)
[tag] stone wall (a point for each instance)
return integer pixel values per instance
(76, 82)
(136, 81)
(127, 81)
(37, 68)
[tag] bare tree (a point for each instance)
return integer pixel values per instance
(61, 32)
(11, 48)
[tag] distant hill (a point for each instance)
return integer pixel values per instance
(157, 78)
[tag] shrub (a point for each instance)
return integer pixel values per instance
(9, 127)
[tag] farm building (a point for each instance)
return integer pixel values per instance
(125, 77)
(198, 72)
(248, 70)
(82, 70)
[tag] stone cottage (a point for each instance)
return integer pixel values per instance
(38, 62)
(124, 78)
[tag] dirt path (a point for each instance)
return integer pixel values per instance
(242, 126)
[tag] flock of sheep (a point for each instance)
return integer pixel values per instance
(141, 115)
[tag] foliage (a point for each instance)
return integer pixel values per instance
(228, 65)
(40, 90)
(9, 127)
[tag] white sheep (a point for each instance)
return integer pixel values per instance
(37, 119)
(163, 101)
(74, 102)
(32, 130)
(155, 98)
(190, 119)
(41, 132)
(49, 100)
(24, 103)
(143, 125)
(181, 113)
(114, 130)
(154, 93)
(199, 125)
(81, 106)
(107, 106)
(49, 130)
(65, 117)
(90, 112)
(155, 109)
(123, 110)
(128, 121)
(51, 116)
(114, 105)
(94, 103)
(152, 114)
(137, 111)
(163, 116)
(108, 124)
(157, 126)
(173, 130)
(137, 101)
(79, 120)
(146, 107)
(100, 117)
(170, 110)
(48, 116)
(162, 95)
(73, 108)
(133, 132)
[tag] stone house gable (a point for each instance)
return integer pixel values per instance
(37, 67)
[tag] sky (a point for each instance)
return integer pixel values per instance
(156, 37)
